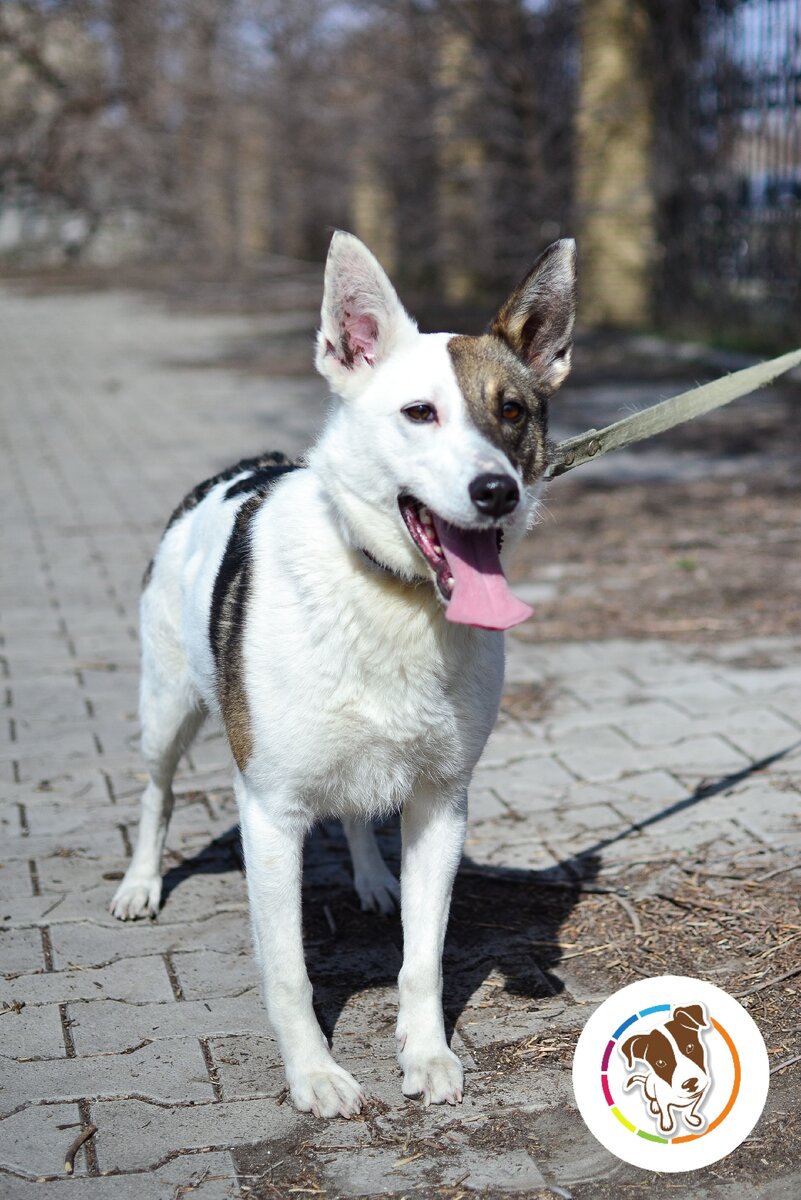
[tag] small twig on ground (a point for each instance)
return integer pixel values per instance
(183, 1189)
(401, 1162)
(630, 912)
(16, 1006)
(329, 916)
(778, 871)
(591, 950)
(69, 1157)
(788, 1062)
(760, 987)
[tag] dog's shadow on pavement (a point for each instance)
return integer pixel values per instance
(504, 921)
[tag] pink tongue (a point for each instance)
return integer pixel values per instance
(481, 594)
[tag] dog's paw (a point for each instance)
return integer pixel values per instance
(138, 896)
(378, 892)
(438, 1078)
(325, 1090)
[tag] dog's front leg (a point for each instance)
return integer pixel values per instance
(272, 839)
(433, 829)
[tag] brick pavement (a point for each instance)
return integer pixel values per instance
(155, 1032)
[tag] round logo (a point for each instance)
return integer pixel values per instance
(671, 1073)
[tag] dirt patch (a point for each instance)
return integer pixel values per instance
(278, 1168)
(696, 562)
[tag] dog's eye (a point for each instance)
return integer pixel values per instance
(660, 1062)
(420, 412)
(512, 411)
(690, 1047)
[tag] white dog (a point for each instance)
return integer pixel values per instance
(343, 617)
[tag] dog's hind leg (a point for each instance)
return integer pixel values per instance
(272, 839)
(433, 829)
(171, 714)
(376, 886)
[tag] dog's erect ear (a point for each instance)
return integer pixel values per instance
(537, 319)
(635, 1047)
(362, 319)
(692, 1015)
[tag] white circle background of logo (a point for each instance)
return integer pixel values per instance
(622, 1137)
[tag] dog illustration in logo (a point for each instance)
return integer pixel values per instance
(676, 1075)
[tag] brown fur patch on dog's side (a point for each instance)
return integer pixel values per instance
(489, 374)
(228, 614)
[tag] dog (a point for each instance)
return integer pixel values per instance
(344, 617)
(677, 1077)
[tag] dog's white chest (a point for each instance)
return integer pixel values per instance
(358, 701)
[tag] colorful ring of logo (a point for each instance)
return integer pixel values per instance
(643, 1133)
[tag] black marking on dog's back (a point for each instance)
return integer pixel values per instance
(261, 479)
(271, 458)
(262, 471)
(228, 612)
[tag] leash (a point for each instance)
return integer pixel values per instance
(583, 448)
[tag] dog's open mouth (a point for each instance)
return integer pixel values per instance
(467, 568)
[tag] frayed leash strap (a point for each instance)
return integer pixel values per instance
(576, 451)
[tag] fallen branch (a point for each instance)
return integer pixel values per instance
(630, 912)
(69, 1157)
(788, 1062)
(760, 987)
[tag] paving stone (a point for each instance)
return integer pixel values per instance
(87, 944)
(101, 1026)
(173, 1070)
(61, 742)
(248, 1065)
(31, 1032)
(21, 950)
(138, 1135)
(201, 1176)
(530, 783)
(33, 1145)
(205, 973)
(134, 980)
(15, 877)
(710, 755)
(597, 754)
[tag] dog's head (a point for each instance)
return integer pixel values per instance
(674, 1052)
(431, 459)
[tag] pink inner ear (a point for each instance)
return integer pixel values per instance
(361, 335)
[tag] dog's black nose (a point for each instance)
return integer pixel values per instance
(690, 1084)
(494, 495)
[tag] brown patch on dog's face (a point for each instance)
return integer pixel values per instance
(683, 1027)
(507, 375)
(494, 381)
(655, 1049)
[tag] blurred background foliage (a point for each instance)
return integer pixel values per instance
(457, 137)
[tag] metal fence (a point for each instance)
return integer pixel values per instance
(728, 165)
